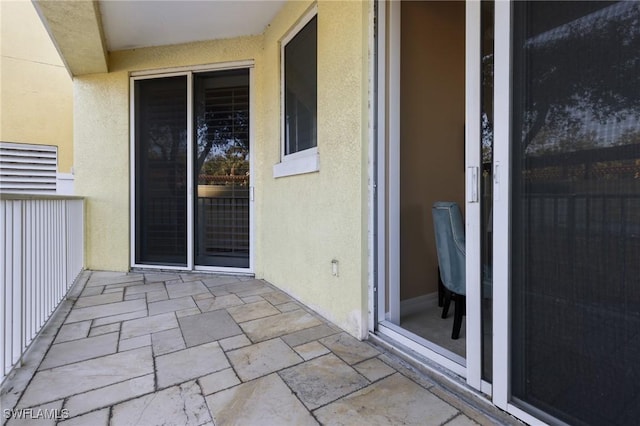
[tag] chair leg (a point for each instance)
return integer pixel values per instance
(440, 290)
(447, 302)
(461, 304)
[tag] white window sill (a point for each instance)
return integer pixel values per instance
(298, 164)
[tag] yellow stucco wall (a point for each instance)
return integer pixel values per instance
(305, 221)
(36, 92)
(302, 222)
(102, 143)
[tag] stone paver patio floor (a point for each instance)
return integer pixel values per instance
(199, 349)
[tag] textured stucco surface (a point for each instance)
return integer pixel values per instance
(36, 90)
(101, 108)
(305, 221)
(77, 30)
(102, 138)
(302, 222)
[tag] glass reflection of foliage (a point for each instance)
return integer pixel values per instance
(583, 93)
(222, 131)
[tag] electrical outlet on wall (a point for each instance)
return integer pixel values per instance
(335, 267)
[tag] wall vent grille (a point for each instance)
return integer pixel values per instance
(26, 168)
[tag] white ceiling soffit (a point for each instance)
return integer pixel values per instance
(143, 23)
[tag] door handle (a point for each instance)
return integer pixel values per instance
(472, 184)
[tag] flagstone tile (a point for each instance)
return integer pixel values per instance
(97, 418)
(307, 335)
(188, 312)
(208, 327)
(374, 369)
(188, 364)
(72, 379)
(93, 312)
(155, 277)
(80, 350)
(235, 342)
(277, 298)
(278, 325)
(219, 291)
(122, 286)
(92, 291)
(322, 380)
(393, 400)
(134, 342)
(105, 278)
(288, 307)
(249, 288)
(178, 405)
(461, 420)
(219, 281)
(348, 348)
(104, 329)
(252, 299)
(113, 290)
(216, 382)
(144, 288)
(157, 295)
(252, 311)
(263, 358)
(408, 371)
(186, 289)
(36, 417)
(189, 277)
(109, 395)
(311, 350)
(146, 325)
(167, 341)
(120, 317)
(74, 331)
(135, 296)
(203, 296)
(265, 401)
(218, 302)
(100, 299)
(171, 305)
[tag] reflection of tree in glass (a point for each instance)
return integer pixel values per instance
(222, 131)
(583, 76)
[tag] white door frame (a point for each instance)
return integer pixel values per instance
(388, 256)
(501, 388)
(473, 198)
(388, 196)
(189, 72)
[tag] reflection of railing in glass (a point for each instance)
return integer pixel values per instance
(223, 227)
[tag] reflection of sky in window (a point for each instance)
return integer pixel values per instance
(581, 128)
(594, 21)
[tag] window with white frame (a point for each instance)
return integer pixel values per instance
(299, 99)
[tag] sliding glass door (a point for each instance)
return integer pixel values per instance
(221, 168)
(575, 210)
(191, 170)
(161, 171)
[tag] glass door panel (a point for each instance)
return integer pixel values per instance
(221, 168)
(486, 184)
(575, 210)
(161, 171)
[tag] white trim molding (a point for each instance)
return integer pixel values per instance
(307, 161)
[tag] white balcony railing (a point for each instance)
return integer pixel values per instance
(41, 254)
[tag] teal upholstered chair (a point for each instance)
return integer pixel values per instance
(450, 245)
